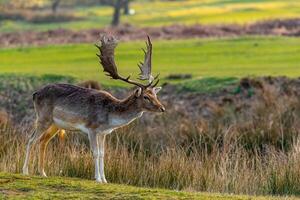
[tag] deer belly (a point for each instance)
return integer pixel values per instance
(63, 124)
(70, 126)
(68, 120)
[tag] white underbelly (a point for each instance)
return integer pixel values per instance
(117, 121)
(70, 126)
(80, 127)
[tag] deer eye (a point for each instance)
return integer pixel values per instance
(147, 98)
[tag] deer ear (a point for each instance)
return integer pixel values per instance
(138, 92)
(156, 89)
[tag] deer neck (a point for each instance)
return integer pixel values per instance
(126, 111)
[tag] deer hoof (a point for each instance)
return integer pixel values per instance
(98, 180)
(104, 180)
(25, 172)
(43, 174)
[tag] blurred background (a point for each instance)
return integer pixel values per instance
(230, 75)
(173, 25)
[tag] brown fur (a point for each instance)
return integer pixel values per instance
(91, 84)
(97, 104)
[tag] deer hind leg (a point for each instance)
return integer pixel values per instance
(39, 129)
(31, 141)
(44, 140)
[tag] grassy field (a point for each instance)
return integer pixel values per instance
(248, 56)
(253, 150)
(164, 13)
(13, 186)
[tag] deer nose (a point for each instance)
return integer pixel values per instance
(162, 109)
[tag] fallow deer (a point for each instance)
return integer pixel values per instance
(95, 113)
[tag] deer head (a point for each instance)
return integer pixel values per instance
(145, 94)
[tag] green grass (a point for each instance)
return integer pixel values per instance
(206, 85)
(149, 13)
(247, 56)
(14, 186)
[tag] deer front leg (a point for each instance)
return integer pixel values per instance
(95, 150)
(101, 143)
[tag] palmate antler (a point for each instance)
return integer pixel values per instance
(107, 50)
(146, 66)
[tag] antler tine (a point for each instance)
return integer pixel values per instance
(106, 55)
(145, 66)
(156, 76)
(155, 84)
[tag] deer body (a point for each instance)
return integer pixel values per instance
(95, 113)
(102, 112)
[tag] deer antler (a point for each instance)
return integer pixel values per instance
(146, 66)
(107, 48)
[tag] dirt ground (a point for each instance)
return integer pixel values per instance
(288, 27)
